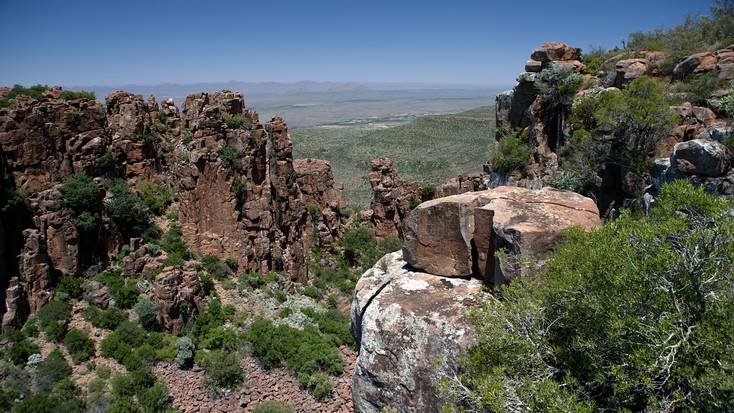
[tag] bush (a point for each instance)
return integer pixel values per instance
(54, 310)
(571, 180)
(21, 350)
(73, 95)
(237, 121)
(108, 319)
(80, 192)
(147, 312)
(630, 317)
(155, 398)
(86, 222)
(511, 153)
(156, 197)
(71, 286)
(701, 87)
(36, 92)
(54, 368)
(558, 84)
(273, 406)
(215, 267)
(186, 136)
(173, 244)
(727, 103)
(126, 296)
(184, 351)
(222, 370)
(427, 192)
(79, 345)
(230, 155)
(127, 211)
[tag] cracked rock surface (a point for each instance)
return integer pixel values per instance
(412, 326)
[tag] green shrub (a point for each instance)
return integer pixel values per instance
(230, 155)
(159, 126)
(155, 196)
(186, 136)
(238, 188)
(273, 406)
(155, 398)
(20, 351)
(184, 351)
(127, 211)
(318, 383)
(79, 345)
(54, 367)
(36, 92)
(108, 319)
(558, 84)
(55, 330)
(237, 121)
(727, 103)
(701, 87)
(630, 317)
(222, 370)
(73, 95)
(54, 310)
(314, 210)
(147, 312)
(80, 192)
(107, 160)
(71, 286)
(86, 222)
(427, 192)
(215, 267)
(126, 296)
(571, 180)
(173, 244)
(511, 153)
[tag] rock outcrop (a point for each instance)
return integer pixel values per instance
(238, 191)
(179, 295)
(457, 236)
(392, 198)
(412, 326)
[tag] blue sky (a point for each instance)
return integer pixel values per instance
(148, 42)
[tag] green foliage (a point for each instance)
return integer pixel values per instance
(215, 267)
(80, 192)
(314, 210)
(86, 222)
(597, 59)
(236, 121)
(155, 196)
(127, 211)
(186, 136)
(20, 350)
(701, 87)
(108, 319)
(73, 95)
(71, 286)
(126, 296)
(362, 248)
(184, 351)
(154, 398)
(558, 84)
(107, 160)
(511, 153)
(147, 312)
(640, 114)
(230, 155)
(222, 370)
(54, 367)
(79, 345)
(727, 103)
(307, 353)
(273, 406)
(173, 244)
(427, 192)
(159, 126)
(55, 330)
(54, 310)
(238, 188)
(36, 92)
(571, 180)
(636, 316)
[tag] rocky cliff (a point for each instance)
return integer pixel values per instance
(238, 191)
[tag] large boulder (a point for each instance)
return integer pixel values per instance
(628, 70)
(701, 157)
(455, 236)
(411, 326)
(553, 52)
(695, 63)
(439, 234)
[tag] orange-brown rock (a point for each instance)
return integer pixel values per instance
(695, 63)
(323, 200)
(179, 295)
(457, 235)
(392, 198)
(630, 69)
(553, 52)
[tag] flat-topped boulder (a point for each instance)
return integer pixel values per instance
(457, 236)
(553, 52)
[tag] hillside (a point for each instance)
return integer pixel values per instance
(429, 149)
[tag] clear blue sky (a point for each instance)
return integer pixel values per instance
(104, 42)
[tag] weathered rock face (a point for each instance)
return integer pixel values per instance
(392, 198)
(459, 235)
(696, 63)
(179, 295)
(411, 326)
(701, 157)
(628, 70)
(247, 205)
(553, 52)
(323, 200)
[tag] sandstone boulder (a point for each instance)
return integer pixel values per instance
(701, 157)
(552, 52)
(628, 70)
(411, 326)
(392, 197)
(696, 63)
(180, 296)
(458, 235)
